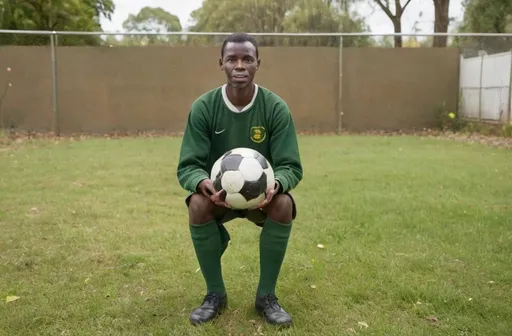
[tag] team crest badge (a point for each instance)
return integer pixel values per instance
(258, 134)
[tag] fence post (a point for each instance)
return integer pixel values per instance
(509, 105)
(460, 97)
(482, 53)
(340, 85)
(55, 97)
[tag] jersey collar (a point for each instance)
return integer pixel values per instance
(231, 106)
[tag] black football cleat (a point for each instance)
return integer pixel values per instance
(211, 307)
(270, 309)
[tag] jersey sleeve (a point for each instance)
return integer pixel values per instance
(284, 148)
(194, 148)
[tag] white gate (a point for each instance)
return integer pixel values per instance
(485, 85)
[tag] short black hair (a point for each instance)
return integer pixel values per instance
(240, 38)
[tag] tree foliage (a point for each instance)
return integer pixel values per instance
(280, 16)
(486, 16)
(58, 15)
(243, 15)
(152, 19)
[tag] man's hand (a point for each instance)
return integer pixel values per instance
(206, 188)
(270, 194)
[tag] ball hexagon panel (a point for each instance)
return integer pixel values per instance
(245, 152)
(237, 201)
(232, 181)
(251, 169)
(269, 172)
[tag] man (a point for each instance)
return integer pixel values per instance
(239, 114)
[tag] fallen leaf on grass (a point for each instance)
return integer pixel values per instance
(320, 246)
(11, 298)
(363, 324)
(431, 318)
(312, 286)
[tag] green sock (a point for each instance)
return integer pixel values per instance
(273, 243)
(207, 244)
(224, 238)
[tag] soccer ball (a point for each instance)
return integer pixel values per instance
(244, 174)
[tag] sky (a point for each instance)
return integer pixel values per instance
(378, 21)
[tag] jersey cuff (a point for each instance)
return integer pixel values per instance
(196, 180)
(281, 186)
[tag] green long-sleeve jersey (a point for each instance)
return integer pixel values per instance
(215, 126)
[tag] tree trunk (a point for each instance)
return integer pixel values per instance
(397, 24)
(395, 18)
(442, 19)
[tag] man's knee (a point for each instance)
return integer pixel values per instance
(201, 209)
(280, 209)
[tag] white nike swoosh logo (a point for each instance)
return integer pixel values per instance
(219, 132)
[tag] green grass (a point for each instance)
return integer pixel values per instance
(94, 241)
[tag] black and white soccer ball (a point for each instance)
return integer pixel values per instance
(244, 174)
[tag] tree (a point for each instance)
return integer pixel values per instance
(324, 16)
(224, 16)
(396, 17)
(278, 17)
(487, 16)
(152, 19)
(102, 7)
(64, 15)
(441, 21)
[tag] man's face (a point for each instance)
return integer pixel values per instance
(239, 63)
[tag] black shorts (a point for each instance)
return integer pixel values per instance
(256, 216)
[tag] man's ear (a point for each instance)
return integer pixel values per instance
(259, 63)
(221, 65)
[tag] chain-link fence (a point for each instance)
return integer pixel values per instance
(71, 82)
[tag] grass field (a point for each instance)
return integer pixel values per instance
(417, 237)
